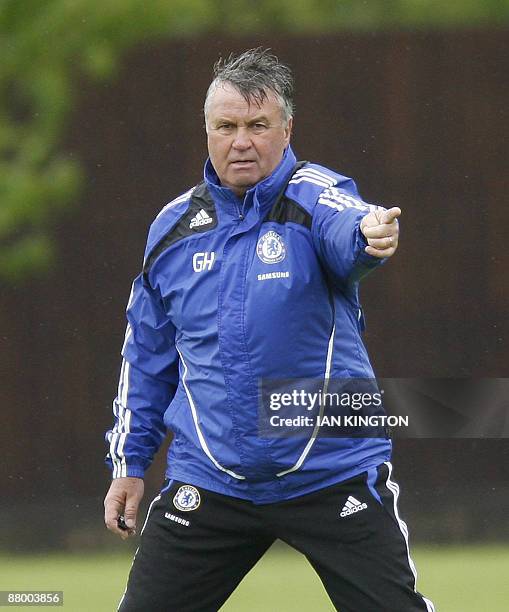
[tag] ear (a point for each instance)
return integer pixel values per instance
(288, 131)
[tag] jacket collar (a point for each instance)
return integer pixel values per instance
(262, 195)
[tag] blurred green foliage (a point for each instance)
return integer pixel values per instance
(45, 43)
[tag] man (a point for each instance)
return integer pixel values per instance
(253, 275)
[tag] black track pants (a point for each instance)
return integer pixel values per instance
(191, 559)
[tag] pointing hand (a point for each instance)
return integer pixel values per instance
(381, 230)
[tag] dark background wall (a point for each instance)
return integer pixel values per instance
(419, 119)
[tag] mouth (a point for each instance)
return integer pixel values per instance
(242, 163)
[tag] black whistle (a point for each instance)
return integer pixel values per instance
(121, 523)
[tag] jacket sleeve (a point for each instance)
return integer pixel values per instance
(148, 381)
(337, 236)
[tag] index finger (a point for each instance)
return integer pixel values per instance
(112, 512)
(114, 525)
(388, 216)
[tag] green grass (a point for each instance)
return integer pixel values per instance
(457, 579)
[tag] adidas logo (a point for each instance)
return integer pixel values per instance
(201, 219)
(352, 506)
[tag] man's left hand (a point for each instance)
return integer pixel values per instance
(381, 229)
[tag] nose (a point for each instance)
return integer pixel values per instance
(242, 140)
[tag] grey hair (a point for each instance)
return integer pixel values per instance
(254, 73)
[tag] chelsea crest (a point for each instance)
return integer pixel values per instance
(271, 248)
(187, 498)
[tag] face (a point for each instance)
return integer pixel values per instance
(245, 141)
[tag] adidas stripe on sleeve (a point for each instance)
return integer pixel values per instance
(337, 236)
(148, 380)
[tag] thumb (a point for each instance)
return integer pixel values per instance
(131, 512)
(388, 216)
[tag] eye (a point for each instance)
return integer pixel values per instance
(259, 127)
(225, 128)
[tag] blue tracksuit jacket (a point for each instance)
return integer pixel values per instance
(234, 291)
